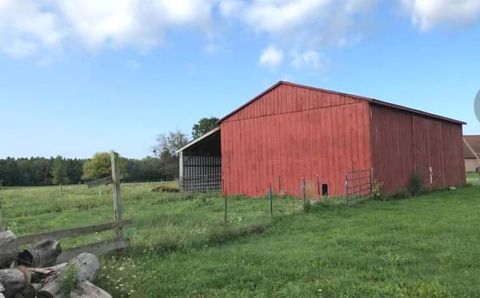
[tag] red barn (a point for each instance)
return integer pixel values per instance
(337, 143)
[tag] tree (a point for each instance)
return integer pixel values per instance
(166, 148)
(203, 126)
(100, 166)
(170, 143)
(59, 171)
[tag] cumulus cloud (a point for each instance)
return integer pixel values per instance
(427, 14)
(306, 24)
(25, 26)
(29, 25)
(317, 22)
(309, 59)
(271, 57)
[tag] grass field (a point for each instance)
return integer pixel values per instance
(473, 178)
(421, 247)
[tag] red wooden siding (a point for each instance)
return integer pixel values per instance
(290, 133)
(403, 142)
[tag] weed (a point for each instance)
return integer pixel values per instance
(69, 281)
(416, 186)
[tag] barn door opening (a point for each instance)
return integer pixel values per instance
(200, 163)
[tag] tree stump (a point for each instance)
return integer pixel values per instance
(42, 254)
(88, 290)
(13, 281)
(85, 267)
(8, 248)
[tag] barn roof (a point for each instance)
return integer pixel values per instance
(212, 134)
(471, 147)
(371, 100)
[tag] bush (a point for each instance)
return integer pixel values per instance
(402, 194)
(377, 190)
(307, 206)
(416, 184)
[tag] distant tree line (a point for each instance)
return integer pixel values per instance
(38, 171)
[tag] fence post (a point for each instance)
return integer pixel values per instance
(117, 206)
(1, 213)
(279, 186)
(319, 192)
(270, 197)
(225, 215)
(346, 189)
(372, 181)
(304, 191)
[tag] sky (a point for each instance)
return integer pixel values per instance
(83, 76)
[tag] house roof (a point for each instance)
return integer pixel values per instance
(371, 100)
(471, 147)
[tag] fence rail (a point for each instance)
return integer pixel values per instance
(69, 233)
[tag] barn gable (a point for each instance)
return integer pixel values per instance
(290, 133)
(286, 97)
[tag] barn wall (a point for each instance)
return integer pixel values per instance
(291, 133)
(403, 143)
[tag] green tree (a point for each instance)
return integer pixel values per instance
(170, 143)
(59, 171)
(203, 126)
(99, 166)
(165, 150)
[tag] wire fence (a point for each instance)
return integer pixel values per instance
(201, 183)
(359, 183)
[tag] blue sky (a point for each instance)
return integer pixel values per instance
(79, 77)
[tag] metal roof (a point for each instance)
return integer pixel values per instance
(195, 141)
(471, 148)
(371, 100)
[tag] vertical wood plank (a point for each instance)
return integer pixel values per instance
(117, 204)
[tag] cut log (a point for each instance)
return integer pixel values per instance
(88, 290)
(13, 281)
(85, 267)
(8, 248)
(42, 254)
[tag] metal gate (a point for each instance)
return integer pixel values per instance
(359, 183)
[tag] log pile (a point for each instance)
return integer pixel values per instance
(33, 273)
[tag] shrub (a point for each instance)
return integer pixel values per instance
(416, 184)
(402, 194)
(377, 190)
(307, 206)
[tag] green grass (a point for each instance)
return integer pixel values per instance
(421, 247)
(473, 178)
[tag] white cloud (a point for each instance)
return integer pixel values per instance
(133, 23)
(308, 22)
(271, 57)
(26, 26)
(427, 14)
(309, 59)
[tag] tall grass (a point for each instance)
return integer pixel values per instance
(423, 247)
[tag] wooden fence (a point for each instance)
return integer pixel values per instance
(98, 248)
